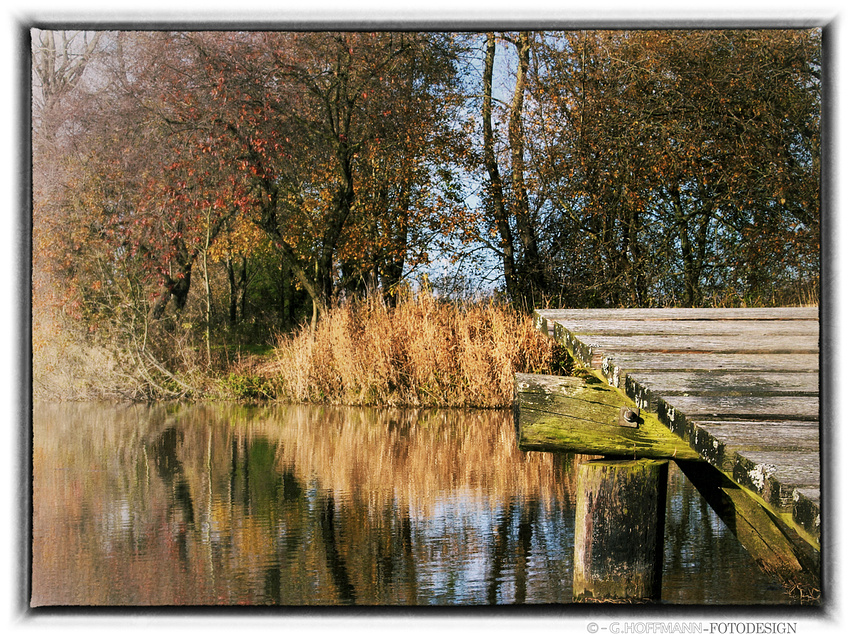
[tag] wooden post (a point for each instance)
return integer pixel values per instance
(619, 530)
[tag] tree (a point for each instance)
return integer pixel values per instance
(671, 151)
(59, 63)
(496, 188)
(331, 129)
(293, 171)
(336, 146)
(516, 224)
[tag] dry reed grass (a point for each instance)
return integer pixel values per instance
(423, 352)
(66, 367)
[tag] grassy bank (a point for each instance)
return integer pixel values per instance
(424, 352)
(421, 353)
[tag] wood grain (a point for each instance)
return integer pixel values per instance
(739, 386)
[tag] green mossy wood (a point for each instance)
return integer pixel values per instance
(737, 389)
(580, 415)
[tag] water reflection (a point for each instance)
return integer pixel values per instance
(223, 504)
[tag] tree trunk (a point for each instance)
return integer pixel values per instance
(393, 264)
(506, 242)
(234, 293)
(176, 286)
(690, 265)
(269, 223)
(532, 279)
(238, 283)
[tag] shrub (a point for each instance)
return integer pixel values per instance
(423, 352)
(246, 386)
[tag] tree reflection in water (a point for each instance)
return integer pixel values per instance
(301, 505)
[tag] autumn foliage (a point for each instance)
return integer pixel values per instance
(659, 167)
(198, 194)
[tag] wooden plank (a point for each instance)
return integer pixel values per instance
(775, 459)
(719, 442)
(674, 410)
(769, 396)
(717, 344)
(741, 383)
(761, 362)
(593, 351)
(806, 510)
(683, 327)
(775, 474)
(812, 493)
(788, 481)
(714, 314)
(567, 414)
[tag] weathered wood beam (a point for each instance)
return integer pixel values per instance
(619, 530)
(589, 349)
(580, 415)
(773, 544)
(689, 327)
(623, 363)
(688, 314)
(723, 381)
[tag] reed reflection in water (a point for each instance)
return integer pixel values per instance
(305, 505)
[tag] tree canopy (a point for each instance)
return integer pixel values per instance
(293, 171)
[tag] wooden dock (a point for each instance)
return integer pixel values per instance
(739, 386)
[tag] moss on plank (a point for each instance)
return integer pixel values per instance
(570, 414)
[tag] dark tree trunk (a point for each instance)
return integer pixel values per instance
(532, 274)
(691, 264)
(500, 213)
(238, 279)
(177, 286)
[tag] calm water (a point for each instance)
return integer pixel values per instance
(223, 504)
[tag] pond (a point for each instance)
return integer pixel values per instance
(222, 504)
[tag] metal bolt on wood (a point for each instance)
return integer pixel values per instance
(629, 417)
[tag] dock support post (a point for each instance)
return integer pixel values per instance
(619, 530)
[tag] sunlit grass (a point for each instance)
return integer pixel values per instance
(423, 352)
